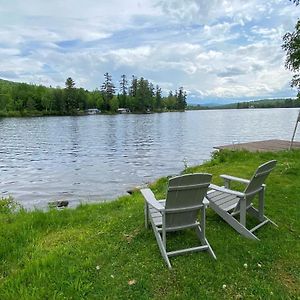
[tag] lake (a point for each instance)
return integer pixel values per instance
(99, 157)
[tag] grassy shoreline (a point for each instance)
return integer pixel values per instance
(103, 251)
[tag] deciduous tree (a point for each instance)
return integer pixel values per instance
(291, 44)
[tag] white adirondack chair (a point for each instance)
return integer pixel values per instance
(179, 211)
(229, 203)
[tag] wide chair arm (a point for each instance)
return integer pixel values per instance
(229, 178)
(226, 190)
(151, 200)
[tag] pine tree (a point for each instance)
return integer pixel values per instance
(181, 99)
(70, 97)
(123, 90)
(70, 83)
(158, 98)
(107, 91)
(123, 85)
(141, 94)
(133, 87)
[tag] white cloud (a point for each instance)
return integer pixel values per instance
(207, 12)
(135, 56)
(215, 49)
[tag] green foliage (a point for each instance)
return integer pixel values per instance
(197, 107)
(21, 99)
(104, 251)
(114, 104)
(291, 44)
(107, 91)
(9, 205)
(181, 99)
(264, 103)
(70, 95)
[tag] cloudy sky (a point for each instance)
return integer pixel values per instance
(218, 50)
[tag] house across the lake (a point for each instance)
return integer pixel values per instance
(93, 111)
(123, 110)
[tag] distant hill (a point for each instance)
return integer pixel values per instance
(3, 81)
(264, 103)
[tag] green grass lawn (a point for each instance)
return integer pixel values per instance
(103, 251)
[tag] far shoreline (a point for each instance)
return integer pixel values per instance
(17, 114)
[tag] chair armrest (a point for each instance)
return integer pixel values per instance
(225, 190)
(233, 178)
(151, 200)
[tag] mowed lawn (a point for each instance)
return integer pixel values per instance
(103, 251)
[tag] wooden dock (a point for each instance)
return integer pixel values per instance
(261, 146)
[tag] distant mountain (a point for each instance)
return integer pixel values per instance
(207, 103)
(263, 103)
(6, 81)
(211, 104)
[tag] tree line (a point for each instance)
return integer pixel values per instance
(265, 103)
(137, 95)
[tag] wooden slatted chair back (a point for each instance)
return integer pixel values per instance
(185, 198)
(259, 177)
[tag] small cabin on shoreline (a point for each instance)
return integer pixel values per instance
(123, 110)
(92, 111)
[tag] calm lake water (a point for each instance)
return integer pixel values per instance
(96, 158)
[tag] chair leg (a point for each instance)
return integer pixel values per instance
(210, 250)
(161, 245)
(233, 222)
(203, 220)
(201, 232)
(255, 213)
(200, 235)
(243, 211)
(204, 241)
(146, 213)
(261, 204)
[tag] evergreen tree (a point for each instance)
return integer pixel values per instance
(70, 96)
(123, 85)
(158, 98)
(133, 86)
(181, 99)
(107, 91)
(141, 94)
(123, 90)
(70, 83)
